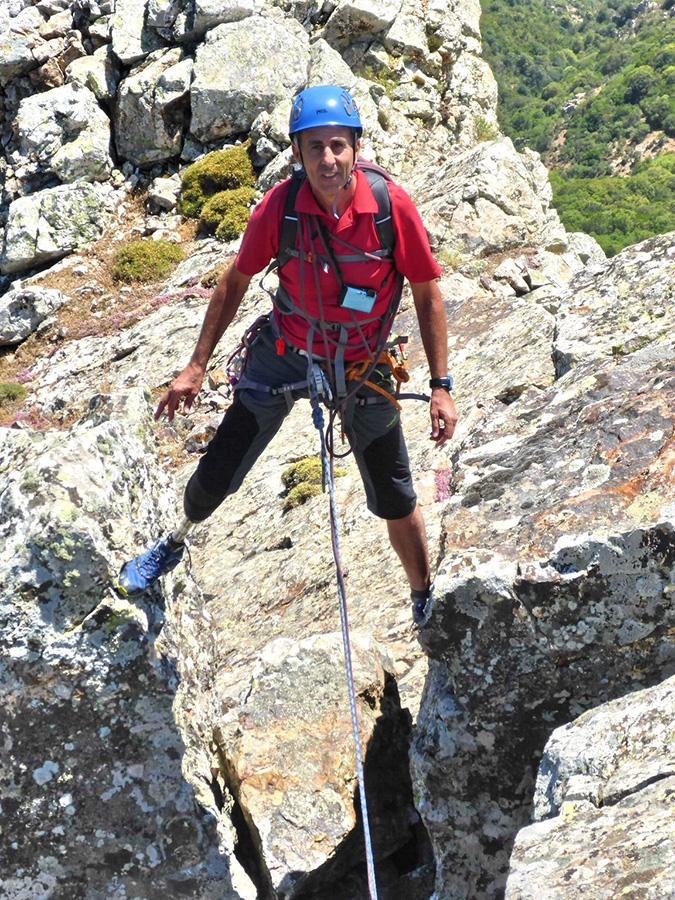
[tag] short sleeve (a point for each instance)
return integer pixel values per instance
(260, 243)
(412, 252)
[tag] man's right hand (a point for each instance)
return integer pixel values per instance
(185, 387)
(223, 305)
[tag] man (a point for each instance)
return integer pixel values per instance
(337, 288)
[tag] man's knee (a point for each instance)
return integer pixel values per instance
(218, 472)
(387, 478)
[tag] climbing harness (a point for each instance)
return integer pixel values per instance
(395, 359)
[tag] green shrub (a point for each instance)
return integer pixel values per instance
(307, 470)
(222, 170)
(304, 479)
(387, 78)
(227, 212)
(300, 494)
(11, 391)
(145, 260)
(449, 256)
(485, 131)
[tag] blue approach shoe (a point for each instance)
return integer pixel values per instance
(421, 605)
(140, 573)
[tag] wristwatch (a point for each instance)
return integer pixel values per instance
(445, 382)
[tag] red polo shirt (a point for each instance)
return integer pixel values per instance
(412, 256)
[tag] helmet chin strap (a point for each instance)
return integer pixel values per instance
(345, 186)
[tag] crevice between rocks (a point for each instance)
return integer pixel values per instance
(404, 862)
(247, 845)
(616, 797)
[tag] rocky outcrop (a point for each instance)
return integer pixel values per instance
(603, 805)
(539, 616)
(93, 796)
(296, 785)
(197, 741)
(471, 205)
(65, 132)
(233, 82)
(22, 311)
(554, 589)
(151, 112)
(167, 81)
(51, 224)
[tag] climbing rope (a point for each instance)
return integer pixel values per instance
(318, 387)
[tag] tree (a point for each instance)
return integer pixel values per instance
(640, 82)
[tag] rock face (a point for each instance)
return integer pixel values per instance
(164, 81)
(93, 798)
(64, 131)
(554, 593)
(151, 113)
(49, 225)
(197, 741)
(554, 540)
(295, 785)
(23, 311)
(471, 206)
(236, 55)
(603, 805)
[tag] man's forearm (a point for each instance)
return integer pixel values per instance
(222, 308)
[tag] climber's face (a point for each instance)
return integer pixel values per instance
(328, 154)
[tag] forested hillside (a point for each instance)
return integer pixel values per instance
(592, 88)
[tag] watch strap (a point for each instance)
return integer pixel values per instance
(444, 382)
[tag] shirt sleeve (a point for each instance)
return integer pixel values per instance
(412, 252)
(260, 242)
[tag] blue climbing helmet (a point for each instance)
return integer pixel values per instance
(326, 104)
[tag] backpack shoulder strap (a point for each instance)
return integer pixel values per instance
(289, 222)
(377, 179)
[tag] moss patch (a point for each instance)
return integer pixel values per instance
(227, 212)
(303, 480)
(145, 260)
(222, 170)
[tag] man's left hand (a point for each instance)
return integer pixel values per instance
(443, 416)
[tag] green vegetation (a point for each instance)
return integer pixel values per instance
(586, 86)
(619, 212)
(145, 260)
(30, 483)
(11, 392)
(387, 78)
(219, 190)
(227, 212)
(302, 480)
(485, 131)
